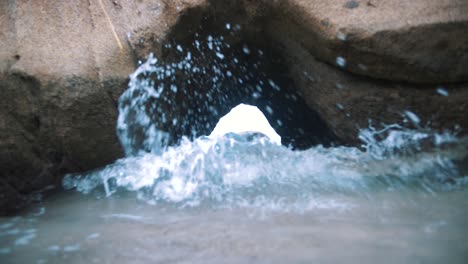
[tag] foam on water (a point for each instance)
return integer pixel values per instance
(235, 169)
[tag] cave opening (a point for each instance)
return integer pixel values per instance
(215, 59)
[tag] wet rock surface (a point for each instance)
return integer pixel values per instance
(414, 41)
(350, 102)
(377, 60)
(61, 74)
(62, 68)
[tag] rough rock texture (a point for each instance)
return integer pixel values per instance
(62, 69)
(61, 73)
(408, 49)
(349, 102)
(421, 41)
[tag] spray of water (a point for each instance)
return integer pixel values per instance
(246, 170)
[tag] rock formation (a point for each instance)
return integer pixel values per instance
(63, 66)
(61, 73)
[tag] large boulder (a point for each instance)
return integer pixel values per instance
(349, 102)
(372, 61)
(63, 66)
(419, 41)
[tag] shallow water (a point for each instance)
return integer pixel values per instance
(324, 205)
(407, 227)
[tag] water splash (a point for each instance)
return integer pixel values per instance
(237, 170)
(247, 170)
(201, 80)
(135, 128)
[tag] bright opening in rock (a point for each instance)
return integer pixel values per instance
(245, 119)
(210, 63)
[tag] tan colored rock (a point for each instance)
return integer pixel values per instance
(408, 42)
(61, 73)
(348, 102)
(420, 41)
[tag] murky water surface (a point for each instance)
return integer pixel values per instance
(239, 205)
(408, 227)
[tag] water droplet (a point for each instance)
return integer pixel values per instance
(246, 50)
(273, 85)
(442, 91)
(413, 117)
(269, 109)
(340, 61)
(219, 55)
(341, 36)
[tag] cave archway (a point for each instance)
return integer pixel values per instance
(218, 56)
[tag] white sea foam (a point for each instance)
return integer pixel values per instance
(242, 162)
(236, 170)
